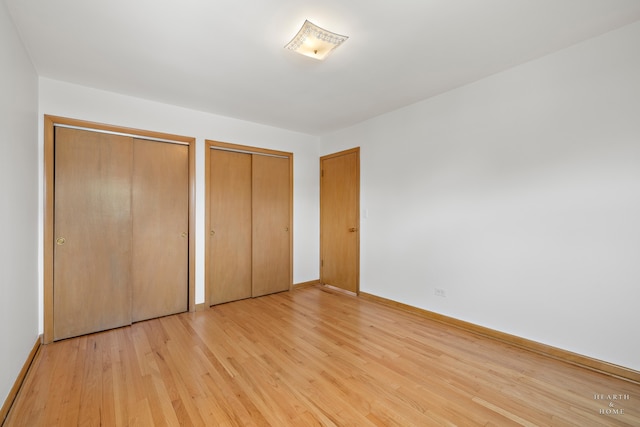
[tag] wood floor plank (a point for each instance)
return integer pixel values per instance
(310, 357)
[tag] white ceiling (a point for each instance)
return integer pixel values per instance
(227, 57)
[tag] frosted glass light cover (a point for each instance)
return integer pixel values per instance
(315, 42)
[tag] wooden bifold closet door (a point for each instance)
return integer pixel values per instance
(160, 201)
(92, 226)
(230, 229)
(249, 236)
(121, 231)
(270, 225)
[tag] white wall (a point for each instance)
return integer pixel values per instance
(519, 196)
(19, 201)
(68, 100)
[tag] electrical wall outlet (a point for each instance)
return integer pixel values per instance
(440, 292)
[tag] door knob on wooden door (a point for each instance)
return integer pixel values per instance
(353, 229)
(60, 241)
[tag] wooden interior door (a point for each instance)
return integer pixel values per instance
(270, 225)
(160, 199)
(92, 250)
(230, 226)
(340, 220)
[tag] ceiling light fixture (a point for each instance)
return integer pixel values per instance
(315, 42)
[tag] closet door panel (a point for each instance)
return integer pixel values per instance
(271, 222)
(160, 199)
(92, 229)
(230, 227)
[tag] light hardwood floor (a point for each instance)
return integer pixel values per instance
(309, 357)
